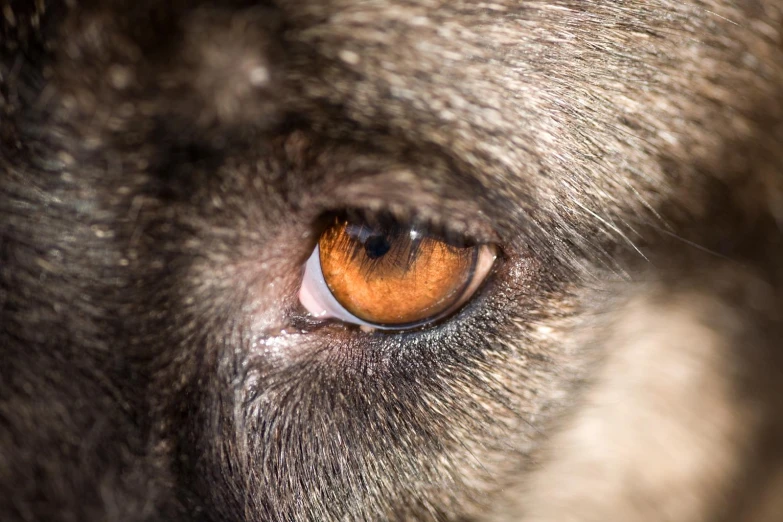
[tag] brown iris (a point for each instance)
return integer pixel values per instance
(392, 274)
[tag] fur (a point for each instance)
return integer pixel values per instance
(164, 168)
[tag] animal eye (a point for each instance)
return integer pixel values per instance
(389, 275)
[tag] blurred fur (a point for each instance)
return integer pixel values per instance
(163, 170)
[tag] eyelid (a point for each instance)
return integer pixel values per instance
(318, 299)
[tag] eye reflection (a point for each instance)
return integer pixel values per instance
(390, 276)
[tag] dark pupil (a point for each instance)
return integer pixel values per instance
(376, 246)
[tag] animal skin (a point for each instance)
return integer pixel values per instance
(165, 171)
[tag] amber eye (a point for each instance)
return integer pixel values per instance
(392, 275)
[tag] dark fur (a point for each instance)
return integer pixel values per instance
(164, 167)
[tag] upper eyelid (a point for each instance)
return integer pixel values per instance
(409, 195)
(388, 176)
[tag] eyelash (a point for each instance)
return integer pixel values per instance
(368, 265)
